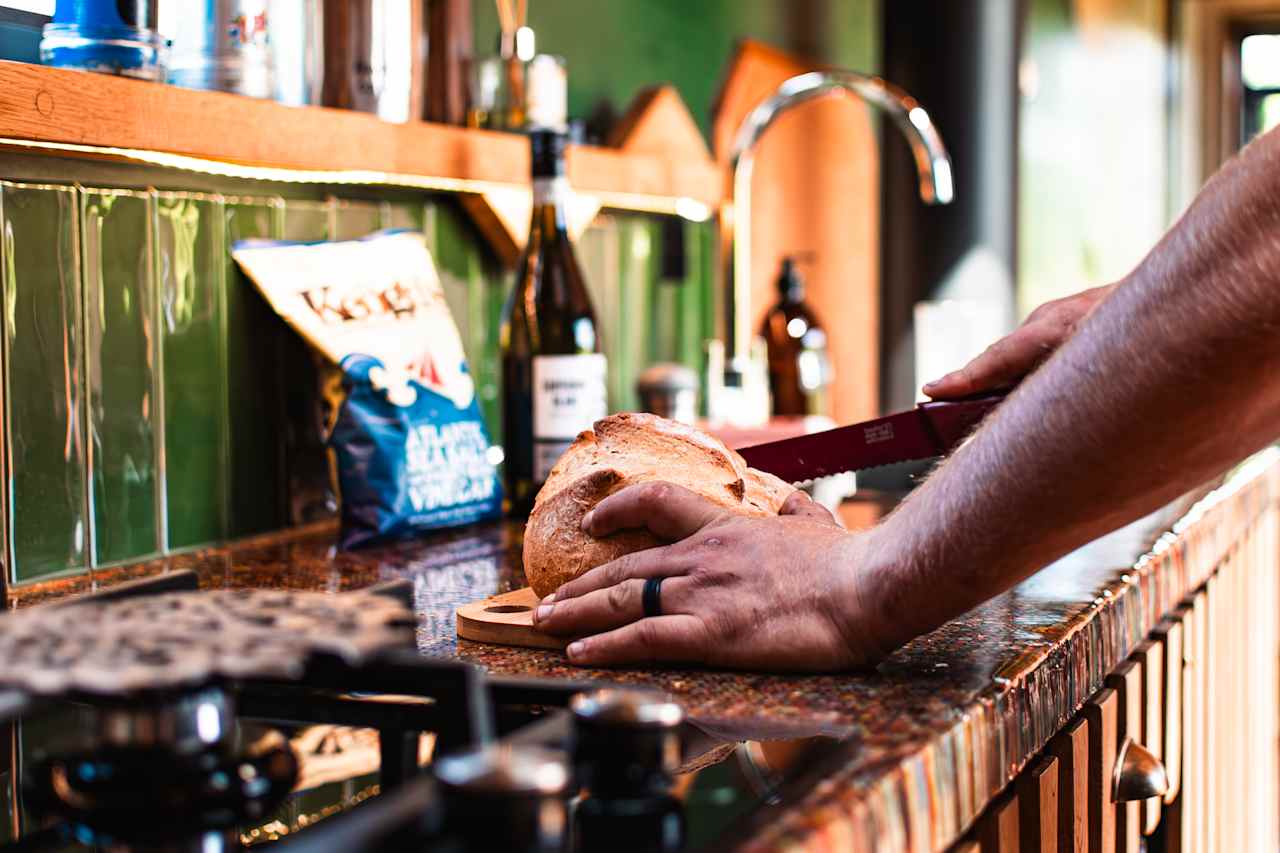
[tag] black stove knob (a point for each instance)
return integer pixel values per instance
(505, 798)
(626, 751)
(626, 741)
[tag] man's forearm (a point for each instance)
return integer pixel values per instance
(1171, 379)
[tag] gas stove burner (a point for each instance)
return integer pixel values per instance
(186, 724)
(166, 783)
(180, 639)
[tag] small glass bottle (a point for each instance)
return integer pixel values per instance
(799, 364)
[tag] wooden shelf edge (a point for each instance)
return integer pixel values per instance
(40, 104)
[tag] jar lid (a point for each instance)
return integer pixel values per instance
(505, 771)
(667, 377)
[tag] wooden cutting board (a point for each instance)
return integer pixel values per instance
(506, 620)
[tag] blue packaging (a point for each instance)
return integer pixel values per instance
(407, 436)
(407, 468)
(105, 36)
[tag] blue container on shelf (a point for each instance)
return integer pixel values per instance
(106, 36)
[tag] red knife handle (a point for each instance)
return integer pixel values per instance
(951, 421)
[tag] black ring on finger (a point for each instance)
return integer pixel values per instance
(651, 597)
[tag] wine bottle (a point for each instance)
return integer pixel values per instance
(553, 371)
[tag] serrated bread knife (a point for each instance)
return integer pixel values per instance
(928, 430)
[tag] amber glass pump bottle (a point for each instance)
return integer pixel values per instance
(799, 365)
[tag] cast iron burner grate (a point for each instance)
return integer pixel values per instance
(162, 762)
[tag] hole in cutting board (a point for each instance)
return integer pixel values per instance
(507, 608)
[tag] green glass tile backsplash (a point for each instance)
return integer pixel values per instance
(405, 214)
(355, 219)
(122, 362)
(257, 497)
(154, 403)
(44, 381)
(475, 287)
(191, 271)
(307, 220)
(300, 374)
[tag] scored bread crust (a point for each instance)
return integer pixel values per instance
(620, 451)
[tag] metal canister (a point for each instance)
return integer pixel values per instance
(224, 45)
(297, 50)
(669, 391)
(105, 36)
(374, 58)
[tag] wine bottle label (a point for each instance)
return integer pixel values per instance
(545, 456)
(568, 397)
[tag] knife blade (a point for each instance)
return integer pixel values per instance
(928, 430)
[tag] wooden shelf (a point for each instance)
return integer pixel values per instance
(50, 105)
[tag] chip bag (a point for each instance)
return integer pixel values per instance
(411, 448)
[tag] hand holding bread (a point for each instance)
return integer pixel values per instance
(754, 574)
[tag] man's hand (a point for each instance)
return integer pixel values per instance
(760, 593)
(1008, 360)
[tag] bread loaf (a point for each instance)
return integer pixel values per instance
(623, 450)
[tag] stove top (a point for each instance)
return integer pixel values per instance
(224, 721)
(170, 640)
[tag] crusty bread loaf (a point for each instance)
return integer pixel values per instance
(623, 450)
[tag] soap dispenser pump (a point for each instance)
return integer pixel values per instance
(799, 364)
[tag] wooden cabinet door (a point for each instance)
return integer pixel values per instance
(1149, 656)
(1195, 773)
(1213, 715)
(1070, 748)
(1037, 789)
(1173, 634)
(1101, 712)
(1170, 634)
(998, 830)
(1126, 681)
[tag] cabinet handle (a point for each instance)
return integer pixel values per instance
(1138, 775)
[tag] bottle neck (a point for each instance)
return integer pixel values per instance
(551, 200)
(792, 295)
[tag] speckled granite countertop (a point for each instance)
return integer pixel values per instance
(904, 757)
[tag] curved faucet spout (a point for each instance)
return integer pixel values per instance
(932, 163)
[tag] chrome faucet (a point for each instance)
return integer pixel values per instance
(932, 163)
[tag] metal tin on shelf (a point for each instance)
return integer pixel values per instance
(374, 58)
(106, 36)
(224, 45)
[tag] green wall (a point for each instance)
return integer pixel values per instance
(615, 48)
